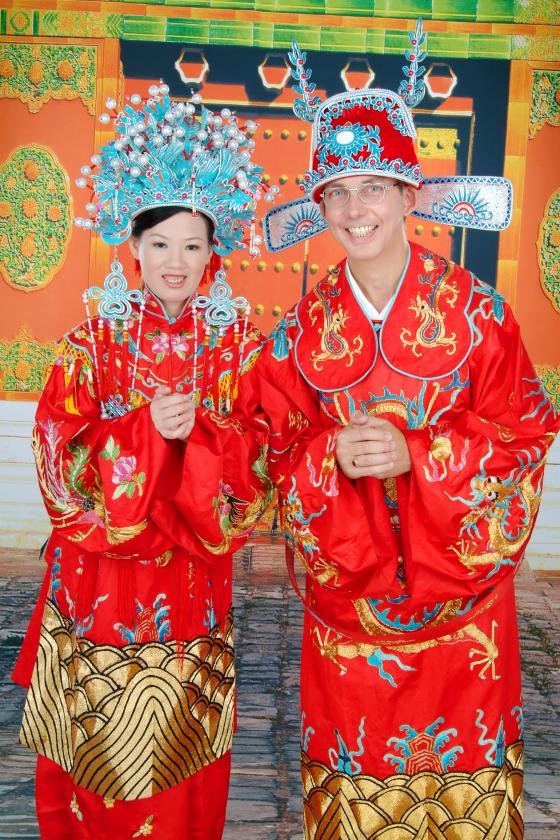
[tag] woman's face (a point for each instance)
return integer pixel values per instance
(172, 256)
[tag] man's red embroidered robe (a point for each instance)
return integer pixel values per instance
(131, 644)
(410, 680)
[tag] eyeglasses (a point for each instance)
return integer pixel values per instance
(368, 193)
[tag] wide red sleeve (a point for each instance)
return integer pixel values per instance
(224, 486)
(99, 478)
(330, 522)
(469, 504)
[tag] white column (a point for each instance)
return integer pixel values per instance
(543, 552)
(23, 520)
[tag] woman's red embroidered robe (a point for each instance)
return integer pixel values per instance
(131, 644)
(410, 680)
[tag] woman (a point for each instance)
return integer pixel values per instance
(151, 482)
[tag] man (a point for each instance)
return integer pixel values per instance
(408, 435)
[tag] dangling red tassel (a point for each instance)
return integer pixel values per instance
(87, 586)
(213, 266)
(182, 620)
(126, 592)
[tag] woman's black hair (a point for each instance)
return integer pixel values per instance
(149, 218)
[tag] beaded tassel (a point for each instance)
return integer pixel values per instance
(246, 314)
(195, 348)
(112, 377)
(137, 350)
(205, 360)
(85, 299)
(124, 357)
(216, 359)
(235, 370)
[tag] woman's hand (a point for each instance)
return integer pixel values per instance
(172, 413)
(370, 446)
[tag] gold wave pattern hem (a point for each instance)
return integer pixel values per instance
(483, 805)
(129, 722)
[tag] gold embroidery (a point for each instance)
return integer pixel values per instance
(64, 496)
(237, 517)
(336, 647)
(129, 722)
(373, 625)
(405, 409)
(431, 331)
(163, 559)
(390, 489)
(297, 421)
(500, 546)
(446, 806)
(116, 536)
(334, 347)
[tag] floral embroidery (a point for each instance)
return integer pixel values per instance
(124, 470)
(146, 829)
(179, 345)
(163, 344)
(75, 808)
(160, 344)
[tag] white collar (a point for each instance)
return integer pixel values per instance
(371, 311)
